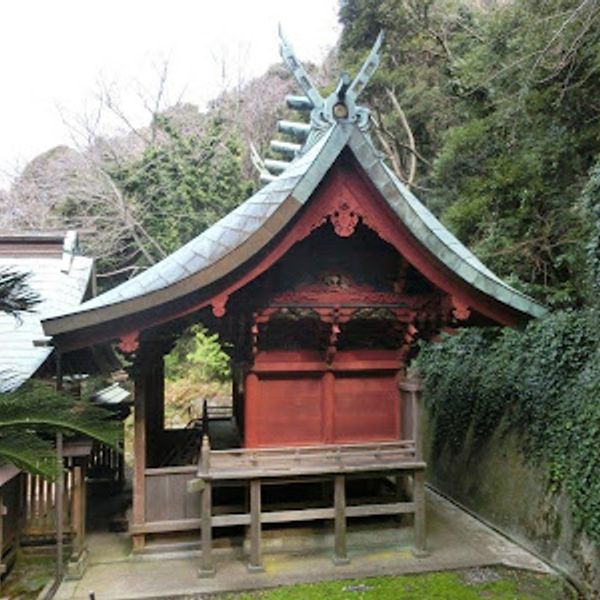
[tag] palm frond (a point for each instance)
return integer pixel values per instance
(15, 294)
(35, 406)
(26, 450)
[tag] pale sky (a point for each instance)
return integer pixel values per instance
(56, 54)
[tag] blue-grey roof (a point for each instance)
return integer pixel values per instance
(215, 242)
(61, 285)
(242, 233)
(112, 395)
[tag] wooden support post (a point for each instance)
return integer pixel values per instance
(412, 386)
(83, 499)
(139, 451)
(340, 556)
(79, 555)
(121, 463)
(205, 454)
(420, 548)
(59, 506)
(255, 564)
(417, 426)
(155, 409)
(250, 424)
(207, 568)
(77, 513)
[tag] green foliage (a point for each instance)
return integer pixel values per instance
(32, 414)
(591, 198)
(181, 185)
(492, 584)
(498, 99)
(15, 295)
(543, 382)
(198, 356)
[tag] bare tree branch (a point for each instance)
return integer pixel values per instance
(412, 170)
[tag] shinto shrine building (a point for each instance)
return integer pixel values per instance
(320, 285)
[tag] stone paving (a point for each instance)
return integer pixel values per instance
(455, 540)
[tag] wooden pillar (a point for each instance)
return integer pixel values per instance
(250, 425)
(237, 398)
(59, 506)
(328, 407)
(77, 512)
(340, 556)
(155, 409)
(413, 387)
(207, 568)
(121, 463)
(420, 548)
(255, 564)
(139, 451)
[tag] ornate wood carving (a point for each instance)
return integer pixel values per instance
(461, 311)
(341, 290)
(129, 342)
(345, 187)
(219, 305)
(344, 219)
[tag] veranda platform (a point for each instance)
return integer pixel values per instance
(456, 539)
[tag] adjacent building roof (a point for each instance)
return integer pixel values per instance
(112, 395)
(59, 276)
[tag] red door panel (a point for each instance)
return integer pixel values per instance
(366, 409)
(285, 412)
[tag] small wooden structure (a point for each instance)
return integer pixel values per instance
(62, 278)
(10, 515)
(321, 284)
(28, 508)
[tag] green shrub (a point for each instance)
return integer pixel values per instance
(198, 356)
(543, 382)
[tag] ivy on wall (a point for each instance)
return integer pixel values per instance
(543, 382)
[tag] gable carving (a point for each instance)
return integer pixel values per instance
(344, 219)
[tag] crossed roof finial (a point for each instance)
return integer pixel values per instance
(341, 104)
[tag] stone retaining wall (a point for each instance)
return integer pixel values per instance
(496, 483)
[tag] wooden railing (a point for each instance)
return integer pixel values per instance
(174, 499)
(286, 465)
(39, 504)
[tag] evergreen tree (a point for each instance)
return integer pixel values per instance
(499, 99)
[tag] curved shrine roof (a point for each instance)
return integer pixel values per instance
(236, 238)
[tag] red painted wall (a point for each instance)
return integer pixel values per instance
(350, 402)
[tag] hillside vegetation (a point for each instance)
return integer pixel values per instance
(490, 111)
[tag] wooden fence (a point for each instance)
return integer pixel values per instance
(39, 503)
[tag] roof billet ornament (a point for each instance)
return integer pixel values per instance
(259, 165)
